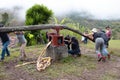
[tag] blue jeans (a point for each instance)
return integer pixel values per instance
(100, 47)
(104, 51)
(74, 52)
(5, 50)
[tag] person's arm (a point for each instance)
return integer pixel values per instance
(19, 32)
(90, 35)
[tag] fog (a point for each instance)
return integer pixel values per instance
(99, 9)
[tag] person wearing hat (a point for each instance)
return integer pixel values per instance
(100, 41)
(5, 42)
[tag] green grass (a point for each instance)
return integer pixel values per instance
(114, 47)
(64, 67)
(114, 44)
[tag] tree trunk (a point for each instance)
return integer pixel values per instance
(40, 27)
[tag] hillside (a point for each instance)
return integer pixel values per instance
(87, 20)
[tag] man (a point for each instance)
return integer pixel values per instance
(5, 42)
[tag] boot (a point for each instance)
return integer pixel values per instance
(99, 57)
(103, 59)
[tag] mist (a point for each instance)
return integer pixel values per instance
(95, 9)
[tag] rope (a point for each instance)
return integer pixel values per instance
(42, 62)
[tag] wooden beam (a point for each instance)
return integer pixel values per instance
(40, 27)
(77, 31)
(28, 28)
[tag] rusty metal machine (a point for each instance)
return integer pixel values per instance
(55, 38)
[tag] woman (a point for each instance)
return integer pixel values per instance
(75, 49)
(108, 34)
(23, 42)
(100, 41)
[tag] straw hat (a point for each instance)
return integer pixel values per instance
(94, 30)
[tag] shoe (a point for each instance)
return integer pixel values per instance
(78, 55)
(99, 57)
(103, 59)
(1, 60)
(108, 56)
(8, 55)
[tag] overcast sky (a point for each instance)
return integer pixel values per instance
(101, 9)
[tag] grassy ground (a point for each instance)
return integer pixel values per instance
(80, 68)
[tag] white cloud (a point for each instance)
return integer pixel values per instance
(102, 9)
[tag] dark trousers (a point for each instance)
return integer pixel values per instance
(5, 49)
(74, 52)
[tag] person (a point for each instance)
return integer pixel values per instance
(75, 48)
(84, 39)
(66, 40)
(100, 39)
(5, 42)
(109, 34)
(23, 42)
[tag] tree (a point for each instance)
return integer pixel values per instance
(9, 17)
(5, 18)
(38, 14)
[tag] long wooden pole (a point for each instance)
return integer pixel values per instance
(40, 27)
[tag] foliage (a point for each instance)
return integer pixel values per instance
(5, 18)
(30, 38)
(11, 17)
(75, 26)
(37, 14)
(57, 20)
(68, 22)
(87, 20)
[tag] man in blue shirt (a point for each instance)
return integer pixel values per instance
(5, 42)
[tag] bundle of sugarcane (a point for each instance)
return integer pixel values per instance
(43, 62)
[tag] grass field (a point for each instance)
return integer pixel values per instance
(66, 69)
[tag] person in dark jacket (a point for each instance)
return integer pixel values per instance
(66, 41)
(100, 40)
(75, 48)
(5, 42)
